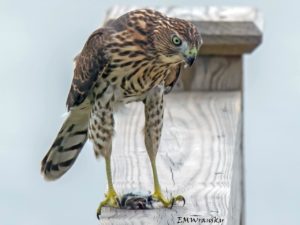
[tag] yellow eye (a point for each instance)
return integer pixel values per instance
(176, 40)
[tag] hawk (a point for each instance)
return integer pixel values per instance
(136, 57)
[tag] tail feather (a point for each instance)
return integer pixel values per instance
(67, 145)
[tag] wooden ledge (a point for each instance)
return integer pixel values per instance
(199, 157)
(225, 30)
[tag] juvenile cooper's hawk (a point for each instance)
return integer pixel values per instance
(136, 57)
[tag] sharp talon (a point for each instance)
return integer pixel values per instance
(119, 203)
(98, 213)
(183, 199)
(167, 203)
(110, 200)
(172, 203)
(150, 202)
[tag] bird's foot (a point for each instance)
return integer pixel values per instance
(111, 200)
(158, 196)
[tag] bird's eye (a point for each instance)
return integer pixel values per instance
(176, 40)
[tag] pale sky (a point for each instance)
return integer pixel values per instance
(38, 40)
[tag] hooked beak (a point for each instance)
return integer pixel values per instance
(190, 56)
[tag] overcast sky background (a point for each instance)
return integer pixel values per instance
(38, 40)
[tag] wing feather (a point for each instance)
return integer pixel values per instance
(91, 62)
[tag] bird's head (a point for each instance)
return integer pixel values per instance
(177, 41)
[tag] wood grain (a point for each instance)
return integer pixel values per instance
(228, 38)
(200, 13)
(200, 141)
(225, 30)
(212, 73)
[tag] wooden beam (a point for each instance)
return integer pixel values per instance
(228, 38)
(197, 158)
(212, 73)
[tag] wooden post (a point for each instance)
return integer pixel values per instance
(201, 151)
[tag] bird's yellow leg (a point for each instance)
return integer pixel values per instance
(158, 195)
(111, 197)
(154, 106)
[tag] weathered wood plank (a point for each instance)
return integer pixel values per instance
(225, 30)
(208, 13)
(236, 211)
(228, 38)
(201, 136)
(212, 73)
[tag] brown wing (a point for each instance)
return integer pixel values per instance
(172, 79)
(89, 64)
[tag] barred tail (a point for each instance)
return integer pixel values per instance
(67, 145)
